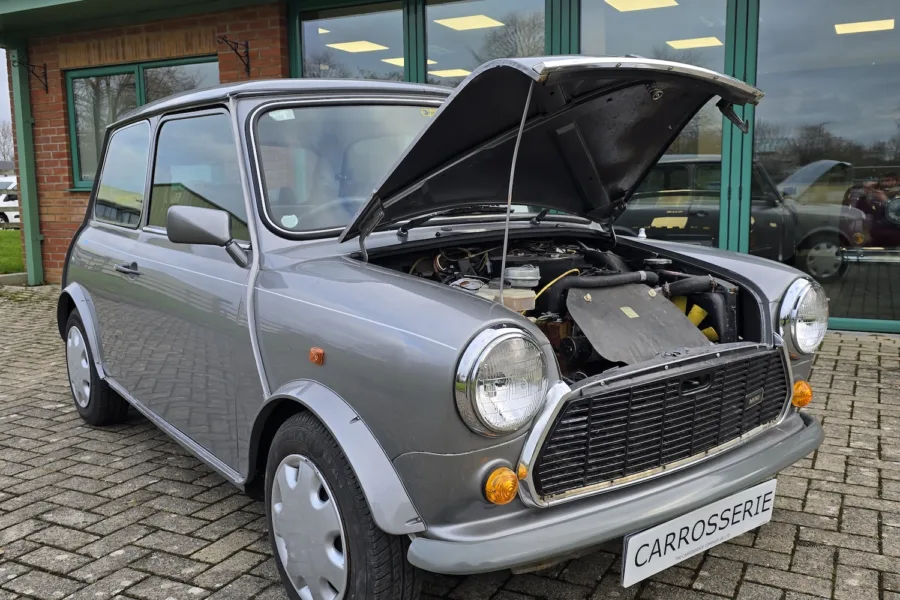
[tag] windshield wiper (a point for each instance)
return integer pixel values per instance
(403, 231)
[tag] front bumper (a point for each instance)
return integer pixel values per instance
(557, 531)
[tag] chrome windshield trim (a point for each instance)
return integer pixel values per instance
(558, 397)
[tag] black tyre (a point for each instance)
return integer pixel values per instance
(4, 218)
(95, 401)
(820, 257)
(314, 502)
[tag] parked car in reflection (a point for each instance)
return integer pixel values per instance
(9, 200)
(679, 201)
(879, 202)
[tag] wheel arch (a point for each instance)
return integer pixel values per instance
(821, 232)
(387, 497)
(75, 296)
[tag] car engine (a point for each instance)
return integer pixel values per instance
(598, 309)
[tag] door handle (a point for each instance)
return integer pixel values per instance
(128, 269)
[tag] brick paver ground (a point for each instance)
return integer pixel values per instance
(123, 512)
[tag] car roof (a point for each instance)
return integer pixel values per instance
(275, 87)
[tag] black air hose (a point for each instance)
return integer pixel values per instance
(596, 281)
(691, 285)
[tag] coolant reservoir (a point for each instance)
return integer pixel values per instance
(517, 299)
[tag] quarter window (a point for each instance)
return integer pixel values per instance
(98, 97)
(120, 195)
(197, 165)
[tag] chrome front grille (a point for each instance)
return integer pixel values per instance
(637, 427)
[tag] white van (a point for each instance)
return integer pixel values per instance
(9, 200)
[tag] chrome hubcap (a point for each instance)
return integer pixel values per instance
(824, 260)
(308, 531)
(79, 367)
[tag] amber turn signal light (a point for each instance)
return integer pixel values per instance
(502, 486)
(802, 394)
(317, 356)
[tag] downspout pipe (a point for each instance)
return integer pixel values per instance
(28, 200)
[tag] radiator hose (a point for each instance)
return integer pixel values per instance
(597, 281)
(689, 285)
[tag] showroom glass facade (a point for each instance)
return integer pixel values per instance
(815, 184)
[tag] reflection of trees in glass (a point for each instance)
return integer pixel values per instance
(523, 35)
(98, 102)
(312, 67)
(689, 56)
(783, 150)
(164, 81)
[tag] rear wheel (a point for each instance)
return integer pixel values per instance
(326, 544)
(4, 218)
(95, 401)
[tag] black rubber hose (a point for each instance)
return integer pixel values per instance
(596, 281)
(691, 285)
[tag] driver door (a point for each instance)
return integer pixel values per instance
(192, 362)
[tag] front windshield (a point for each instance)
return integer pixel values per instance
(319, 164)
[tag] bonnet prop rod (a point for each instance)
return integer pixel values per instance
(512, 177)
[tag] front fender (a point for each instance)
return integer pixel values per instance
(76, 295)
(388, 499)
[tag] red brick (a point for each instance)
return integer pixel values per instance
(60, 210)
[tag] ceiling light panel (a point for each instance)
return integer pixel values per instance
(630, 5)
(864, 26)
(470, 22)
(703, 42)
(450, 73)
(359, 46)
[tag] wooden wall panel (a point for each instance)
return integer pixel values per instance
(136, 48)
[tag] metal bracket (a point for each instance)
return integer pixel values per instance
(39, 72)
(241, 49)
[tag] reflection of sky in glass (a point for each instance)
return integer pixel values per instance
(517, 29)
(126, 162)
(607, 31)
(379, 24)
(812, 75)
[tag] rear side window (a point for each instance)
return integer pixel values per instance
(197, 165)
(120, 195)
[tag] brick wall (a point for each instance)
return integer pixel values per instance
(61, 209)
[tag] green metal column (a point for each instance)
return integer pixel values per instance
(28, 202)
(414, 50)
(737, 148)
(562, 26)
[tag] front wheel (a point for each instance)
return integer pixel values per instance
(4, 218)
(327, 545)
(821, 258)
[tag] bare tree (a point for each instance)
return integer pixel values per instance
(7, 146)
(324, 66)
(522, 36)
(690, 57)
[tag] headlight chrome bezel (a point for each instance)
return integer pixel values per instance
(788, 313)
(465, 385)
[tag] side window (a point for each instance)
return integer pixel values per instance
(665, 185)
(120, 195)
(197, 165)
(707, 184)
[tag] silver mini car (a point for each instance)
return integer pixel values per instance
(401, 315)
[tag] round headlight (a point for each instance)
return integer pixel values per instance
(804, 316)
(501, 381)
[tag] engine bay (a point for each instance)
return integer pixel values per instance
(599, 309)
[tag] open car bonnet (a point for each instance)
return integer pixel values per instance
(594, 127)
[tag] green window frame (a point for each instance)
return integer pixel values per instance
(135, 69)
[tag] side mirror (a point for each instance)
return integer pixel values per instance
(203, 226)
